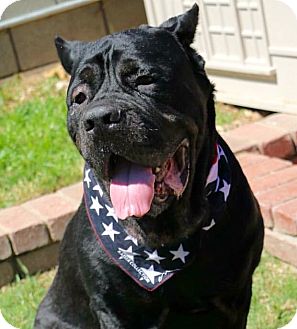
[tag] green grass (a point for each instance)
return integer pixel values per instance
(274, 294)
(36, 154)
(273, 305)
(19, 301)
(11, 93)
(229, 117)
(226, 115)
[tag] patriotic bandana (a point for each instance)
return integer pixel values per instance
(151, 267)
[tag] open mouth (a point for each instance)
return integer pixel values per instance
(133, 187)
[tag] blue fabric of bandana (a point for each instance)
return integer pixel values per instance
(151, 267)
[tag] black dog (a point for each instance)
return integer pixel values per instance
(169, 233)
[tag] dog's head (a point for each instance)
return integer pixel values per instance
(138, 104)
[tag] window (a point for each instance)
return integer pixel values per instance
(232, 35)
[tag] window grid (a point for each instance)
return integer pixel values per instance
(237, 36)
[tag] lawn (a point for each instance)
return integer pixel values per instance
(274, 296)
(36, 154)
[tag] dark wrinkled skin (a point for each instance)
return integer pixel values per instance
(156, 114)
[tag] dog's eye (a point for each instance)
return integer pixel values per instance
(87, 75)
(144, 80)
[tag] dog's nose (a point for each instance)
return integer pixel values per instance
(101, 117)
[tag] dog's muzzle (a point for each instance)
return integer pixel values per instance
(135, 181)
(134, 187)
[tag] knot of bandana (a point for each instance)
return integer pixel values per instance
(151, 267)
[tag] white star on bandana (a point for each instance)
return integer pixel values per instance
(129, 253)
(130, 238)
(87, 178)
(111, 213)
(154, 256)
(206, 228)
(99, 189)
(110, 231)
(221, 152)
(225, 189)
(96, 205)
(180, 253)
(151, 273)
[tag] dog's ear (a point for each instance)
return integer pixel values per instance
(184, 26)
(68, 52)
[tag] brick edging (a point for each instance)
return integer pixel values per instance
(282, 246)
(274, 136)
(30, 233)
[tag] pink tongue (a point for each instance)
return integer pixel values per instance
(132, 190)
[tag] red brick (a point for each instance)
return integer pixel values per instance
(285, 122)
(278, 195)
(281, 148)
(55, 211)
(285, 217)
(258, 133)
(282, 246)
(73, 193)
(5, 249)
(272, 136)
(267, 216)
(265, 167)
(264, 183)
(40, 259)
(294, 138)
(239, 144)
(247, 159)
(25, 230)
(7, 272)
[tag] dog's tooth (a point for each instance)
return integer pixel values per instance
(157, 170)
